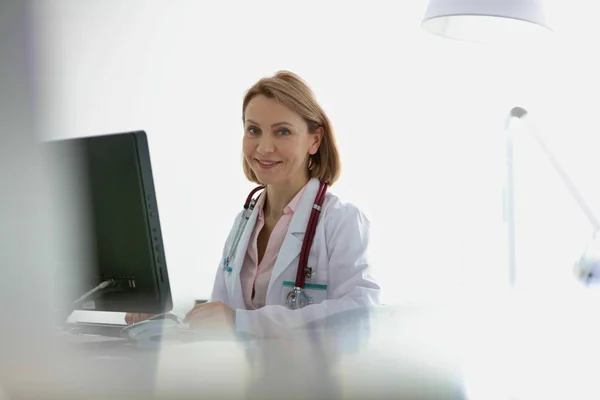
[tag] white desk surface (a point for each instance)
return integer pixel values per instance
(529, 348)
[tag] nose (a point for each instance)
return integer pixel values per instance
(266, 145)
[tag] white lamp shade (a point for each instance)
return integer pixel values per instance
(487, 21)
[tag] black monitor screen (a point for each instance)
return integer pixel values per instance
(125, 240)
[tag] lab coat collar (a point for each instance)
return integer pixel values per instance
(303, 208)
(292, 244)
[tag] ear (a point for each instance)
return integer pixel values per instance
(316, 139)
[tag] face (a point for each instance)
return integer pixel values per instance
(277, 142)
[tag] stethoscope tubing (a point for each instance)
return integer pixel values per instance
(306, 242)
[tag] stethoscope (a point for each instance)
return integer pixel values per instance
(297, 298)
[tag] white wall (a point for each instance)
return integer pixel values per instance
(418, 118)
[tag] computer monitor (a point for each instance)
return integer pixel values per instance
(126, 270)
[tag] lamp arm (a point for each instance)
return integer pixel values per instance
(522, 114)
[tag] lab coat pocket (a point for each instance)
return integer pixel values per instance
(314, 268)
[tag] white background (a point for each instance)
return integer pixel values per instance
(419, 120)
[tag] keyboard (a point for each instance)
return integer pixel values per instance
(92, 328)
(179, 333)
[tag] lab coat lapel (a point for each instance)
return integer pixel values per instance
(292, 244)
(240, 254)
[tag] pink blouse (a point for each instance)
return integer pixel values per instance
(255, 277)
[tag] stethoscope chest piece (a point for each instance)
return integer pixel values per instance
(297, 299)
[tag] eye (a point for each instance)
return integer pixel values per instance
(284, 132)
(253, 130)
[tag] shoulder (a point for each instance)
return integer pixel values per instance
(346, 228)
(337, 211)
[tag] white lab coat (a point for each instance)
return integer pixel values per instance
(338, 258)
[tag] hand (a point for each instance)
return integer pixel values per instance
(134, 318)
(212, 315)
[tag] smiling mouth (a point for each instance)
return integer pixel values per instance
(268, 163)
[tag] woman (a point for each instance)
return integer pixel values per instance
(288, 147)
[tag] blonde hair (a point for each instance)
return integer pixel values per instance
(290, 90)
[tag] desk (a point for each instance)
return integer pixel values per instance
(317, 364)
(522, 346)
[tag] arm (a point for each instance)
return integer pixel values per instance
(350, 285)
(219, 292)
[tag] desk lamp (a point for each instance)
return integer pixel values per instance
(502, 21)
(587, 269)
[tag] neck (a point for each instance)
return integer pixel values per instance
(279, 196)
